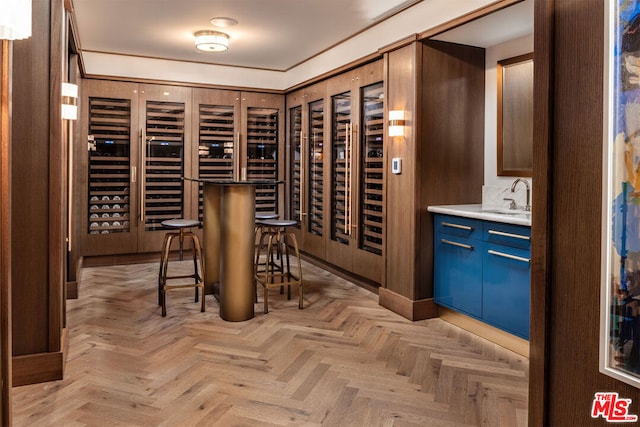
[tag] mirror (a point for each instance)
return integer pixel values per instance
(515, 116)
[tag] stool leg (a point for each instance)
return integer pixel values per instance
(285, 239)
(279, 256)
(198, 255)
(162, 261)
(181, 242)
(261, 245)
(194, 240)
(267, 279)
(164, 275)
(300, 282)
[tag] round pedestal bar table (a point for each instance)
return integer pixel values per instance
(229, 244)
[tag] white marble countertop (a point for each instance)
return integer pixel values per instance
(516, 217)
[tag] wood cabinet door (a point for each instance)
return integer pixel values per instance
(295, 163)
(339, 239)
(215, 129)
(165, 156)
(306, 160)
(368, 193)
(105, 177)
(262, 147)
(458, 273)
(356, 186)
(316, 152)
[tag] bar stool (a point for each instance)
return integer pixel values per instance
(278, 240)
(259, 229)
(179, 224)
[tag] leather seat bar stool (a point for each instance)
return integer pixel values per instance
(181, 225)
(276, 239)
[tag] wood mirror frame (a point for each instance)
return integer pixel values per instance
(515, 116)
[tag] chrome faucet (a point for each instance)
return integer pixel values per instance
(527, 207)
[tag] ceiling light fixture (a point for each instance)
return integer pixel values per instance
(212, 41)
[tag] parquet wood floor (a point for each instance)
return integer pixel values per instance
(342, 361)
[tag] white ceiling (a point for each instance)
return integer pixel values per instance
(270, 34)
(506, 24)
(276, 43)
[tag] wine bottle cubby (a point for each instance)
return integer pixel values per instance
(163, 163)
(262, 155)
(371, 169)
(341, 172)
(316, 169)
(109, 165)
(295, 183)
(216, 149)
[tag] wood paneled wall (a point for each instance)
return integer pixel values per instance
(568, 145)
(452, 139)
(38, 198)
(441, 88)
(402, 216)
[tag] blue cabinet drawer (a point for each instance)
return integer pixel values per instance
(458, 226)
(506, 234)
(458, 273)
(505, 290)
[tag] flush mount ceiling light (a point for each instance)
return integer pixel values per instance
(212, 41)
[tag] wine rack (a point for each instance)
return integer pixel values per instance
(216, 146)
(316, 173)
(295, 183)
(109, 165)
(340, 189)
(262, 155)
(371, 169)
(163, 160)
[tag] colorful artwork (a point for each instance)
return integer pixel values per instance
(620, 356)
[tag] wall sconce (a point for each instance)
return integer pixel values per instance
(396, 123)
(69, 101)
(15, 20)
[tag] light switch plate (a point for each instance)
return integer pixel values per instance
(396, 165)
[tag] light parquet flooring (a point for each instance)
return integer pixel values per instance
(342, 361)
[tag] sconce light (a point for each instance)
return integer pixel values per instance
(69, 101)
(396, 123)
(15, 20)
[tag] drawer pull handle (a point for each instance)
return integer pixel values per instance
(515, 236)
(460, 245)
(517, 258)
(462, 227)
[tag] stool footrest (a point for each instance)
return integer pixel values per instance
(186, 276)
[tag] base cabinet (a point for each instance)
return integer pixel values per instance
(482, 269)
(458, 259)
(505, 288)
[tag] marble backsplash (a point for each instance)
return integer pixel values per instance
(493, 196)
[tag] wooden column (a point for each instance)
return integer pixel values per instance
(5, 233)
(440, 86)
(568, 175)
